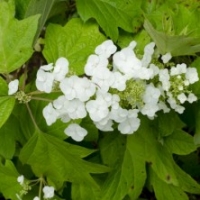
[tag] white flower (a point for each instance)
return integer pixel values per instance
(191, 98)
(76, 132)
(119, 114)
(150, 110)
(47, 67)
(48, 192)
(85, 88)
(179, 69)
(148, 52)
(119, 81)
(44, 81)
(163, 106)
(126, 62)
(97, 109)
(50, 114)
(107, 48)
(20, 179)
(164, 79)
(67, 86)
(105, 124)
(94, 62)
(13, 87)
(131, 123)
(103, 78)
(36, 198)
(165, 58)
(76, 109)
(192, 75)
(151, 95)
(61, 69)
(182, 98)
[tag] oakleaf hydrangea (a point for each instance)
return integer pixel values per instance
(117, 88)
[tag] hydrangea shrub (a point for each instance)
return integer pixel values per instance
(97, 106)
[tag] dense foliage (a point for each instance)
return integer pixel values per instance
(99, 99)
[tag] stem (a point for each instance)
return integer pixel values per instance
(40, 92)
(31, 115)
(40, 188)
(41, 99)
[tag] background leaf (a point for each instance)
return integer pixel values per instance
(75, 41)
(8, 180)
(16, 38)
(112, 14)
(32, 7)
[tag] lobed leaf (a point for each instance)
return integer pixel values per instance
(58, 160)
(16, 38)
(112, 14)
(75, 41)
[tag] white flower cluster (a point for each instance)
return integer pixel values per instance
(115, 92)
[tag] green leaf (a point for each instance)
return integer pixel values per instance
(180, 143)
(9, 133)
(128, 175)
(173, 123)
(75, 41)
(164, 191)
(149, 147)
(6, 107)
(112, 14)
(83, 192)
(59, 161)
(186, 183)
(8, 180)
(177, 45)
(32, 7)
(16, 38)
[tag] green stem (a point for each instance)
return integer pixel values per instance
(40, 188)
(31, 115)
(41, 99)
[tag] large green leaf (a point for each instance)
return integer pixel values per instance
(75, 41)
(59, 161)
(32, 7)
(16, 38)
(8, 180)
(128, 175)
(112, 14)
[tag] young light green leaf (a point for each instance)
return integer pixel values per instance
(58, 160)
(32, 7)
(8, 180)
(16, 38)
(111, 14)
(177, 45)
(180, 143)
(75, 41)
